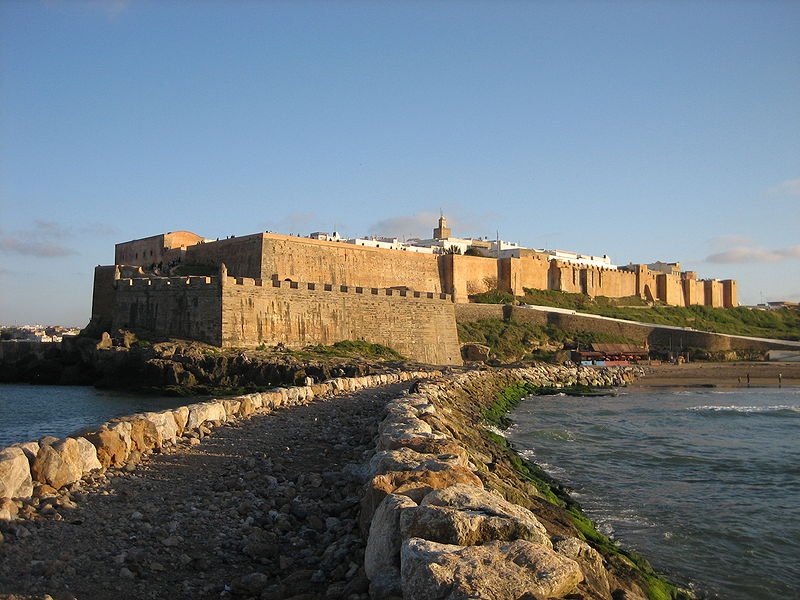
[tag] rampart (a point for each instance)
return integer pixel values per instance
(419, 325)
(180, 307)
(246, 312)
(268, 255)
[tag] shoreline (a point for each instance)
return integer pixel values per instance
(719, 375)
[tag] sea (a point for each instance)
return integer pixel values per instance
(704, 483)
(29, 412)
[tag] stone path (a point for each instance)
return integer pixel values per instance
(266, 508)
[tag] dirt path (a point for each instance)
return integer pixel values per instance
(264, 509)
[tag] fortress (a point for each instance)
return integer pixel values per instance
(272, 289)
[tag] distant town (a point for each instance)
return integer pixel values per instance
(36, 333)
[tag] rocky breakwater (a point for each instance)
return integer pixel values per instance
(449, 513)
(38, 478)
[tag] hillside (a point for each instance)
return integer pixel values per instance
(780, 324)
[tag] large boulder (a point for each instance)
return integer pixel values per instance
(382, 555)
(410, 432)
(493, 571)
(144, 434)
(31, 449)
(467, 516)
(414, 484)
(406, 459)
(15, 474)
(205, 412)
(590, 562)
(247, 405)
(181, 416)
(232, 406)
(88, 456)
(166, 428)
(112, 450)
(475, 352)
(59, 464)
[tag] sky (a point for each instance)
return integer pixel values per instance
(642, 130)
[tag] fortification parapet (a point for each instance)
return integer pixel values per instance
(165, 282)
(342, 289)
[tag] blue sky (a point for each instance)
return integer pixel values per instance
(647, 131)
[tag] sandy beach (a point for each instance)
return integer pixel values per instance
(728, 375)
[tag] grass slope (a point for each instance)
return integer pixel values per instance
(514, 340)
(781, 324)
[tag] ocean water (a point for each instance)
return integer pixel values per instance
(28, 412)
(704, 483)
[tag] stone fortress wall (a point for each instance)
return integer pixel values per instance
(298, 291)
(268, 255)
(245, 312)
(416, 324)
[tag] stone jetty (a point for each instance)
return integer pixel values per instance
(382, 486)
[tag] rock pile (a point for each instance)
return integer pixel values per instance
(436, 533)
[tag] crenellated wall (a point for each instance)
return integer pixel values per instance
(246, 312)
(282, 257)
(419, 325)
(179, 307)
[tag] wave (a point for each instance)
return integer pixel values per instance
(775, 408)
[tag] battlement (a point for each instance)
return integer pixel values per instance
(329, 287)
(194, 281)
(160, 283)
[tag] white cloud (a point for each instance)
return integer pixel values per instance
(43, 240)
(422, 224)
(296, 222)
(789, 187)
(740, 249)
(418, 225)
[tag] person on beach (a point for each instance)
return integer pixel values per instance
(780, 380)
(748, 380)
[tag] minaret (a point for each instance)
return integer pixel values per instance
(442, 232)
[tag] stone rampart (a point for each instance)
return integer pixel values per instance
(241, 255)
(466, 275)
(419, 325)
(338, 263)
(179, 307)
(246, 312)
(43, 468)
